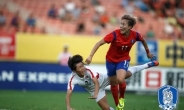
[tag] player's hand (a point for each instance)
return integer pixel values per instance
(92, 97)
(88, 60)
(150, 56)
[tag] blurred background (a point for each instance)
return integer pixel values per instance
(38, 36)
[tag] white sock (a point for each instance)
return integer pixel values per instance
(135, 69)
(111, 108)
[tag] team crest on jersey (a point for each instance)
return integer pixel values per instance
(167, 97)
(132, 41)
(86, 82)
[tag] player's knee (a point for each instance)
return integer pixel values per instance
(113, 83)
(120, 80)
(121, 75)
(129, 74)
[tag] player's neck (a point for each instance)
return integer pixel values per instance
(126, 34)
(81, 76)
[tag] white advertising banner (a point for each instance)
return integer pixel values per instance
(42, 76)
(151, 79)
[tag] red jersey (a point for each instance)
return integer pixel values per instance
(120, 45)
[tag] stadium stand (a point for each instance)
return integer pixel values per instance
(95, 17)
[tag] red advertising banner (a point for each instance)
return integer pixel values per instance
(153, 79)
(7, 45)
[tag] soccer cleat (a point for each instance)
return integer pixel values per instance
(121, 105)
(153, 63)
(153, 58)
(117, 108)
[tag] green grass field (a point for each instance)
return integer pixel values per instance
(32, 100)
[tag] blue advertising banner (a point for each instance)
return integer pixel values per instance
(141, 53)
(34, 76)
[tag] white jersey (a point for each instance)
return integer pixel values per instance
(86, 82)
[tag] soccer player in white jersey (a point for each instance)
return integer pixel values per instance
(92, 81)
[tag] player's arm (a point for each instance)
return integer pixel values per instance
(96, 84)
(107, 39)
(95, 48)
(140, 38)
(97, 45)
(145, 46)
(68, 96)
(146, 49)
(70, 86)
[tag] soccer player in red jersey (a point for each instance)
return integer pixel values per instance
(117, 57)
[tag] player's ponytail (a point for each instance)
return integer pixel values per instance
(131, 19)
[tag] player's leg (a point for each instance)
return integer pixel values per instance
(114, 90)
(121, 70)
(122, 88)
(102, 100)
(104, 104)
(111, 72)
(121, 74)
(136, 69)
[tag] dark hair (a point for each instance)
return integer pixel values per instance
(72, 61)
(131, 19)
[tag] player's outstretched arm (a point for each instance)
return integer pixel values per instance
(68, 96)
(96, 83)
(149, 55)
(95, 48)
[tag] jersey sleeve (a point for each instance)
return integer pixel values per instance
(109, 38)
(139, 37)
(71, 82)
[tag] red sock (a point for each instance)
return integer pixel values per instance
(114, 91)
(122, 88)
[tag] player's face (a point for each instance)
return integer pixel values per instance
(80, 69)
(124, 27)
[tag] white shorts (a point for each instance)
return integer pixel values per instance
(101, 94)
